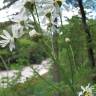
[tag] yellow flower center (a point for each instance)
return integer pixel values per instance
(86, 93)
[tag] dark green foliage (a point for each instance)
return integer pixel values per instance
(73, 61)
(75, 33)
(26, 52)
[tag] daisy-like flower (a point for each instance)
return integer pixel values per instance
(47, 7)
(51, 15)
(86, 91)
(9, 39)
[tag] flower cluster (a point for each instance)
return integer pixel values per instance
(8, 38)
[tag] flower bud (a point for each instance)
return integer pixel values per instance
(67, 40)
(59, 2)
(48, 15)
(30, 5)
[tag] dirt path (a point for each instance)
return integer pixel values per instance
(25, 73)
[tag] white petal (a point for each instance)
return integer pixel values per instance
(82, 88)
(6, 34)
(80, 93)
(29, 25)
(4, 37)
(88, 86)
(12, 45)
(3, 43)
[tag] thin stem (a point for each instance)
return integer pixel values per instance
(3, 61)
(73, 57)
(45, 79)
(6, 67)
(71, 84)
(60, 18)
(37, 13)
(71, 68)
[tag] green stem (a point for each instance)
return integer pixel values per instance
(60, 18)
(37, 13)
(71, 84)
(45, 79)
(6, 67)
(73, 57)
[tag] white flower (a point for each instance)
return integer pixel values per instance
(7, 39)
(86, 91)
(47, 6)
